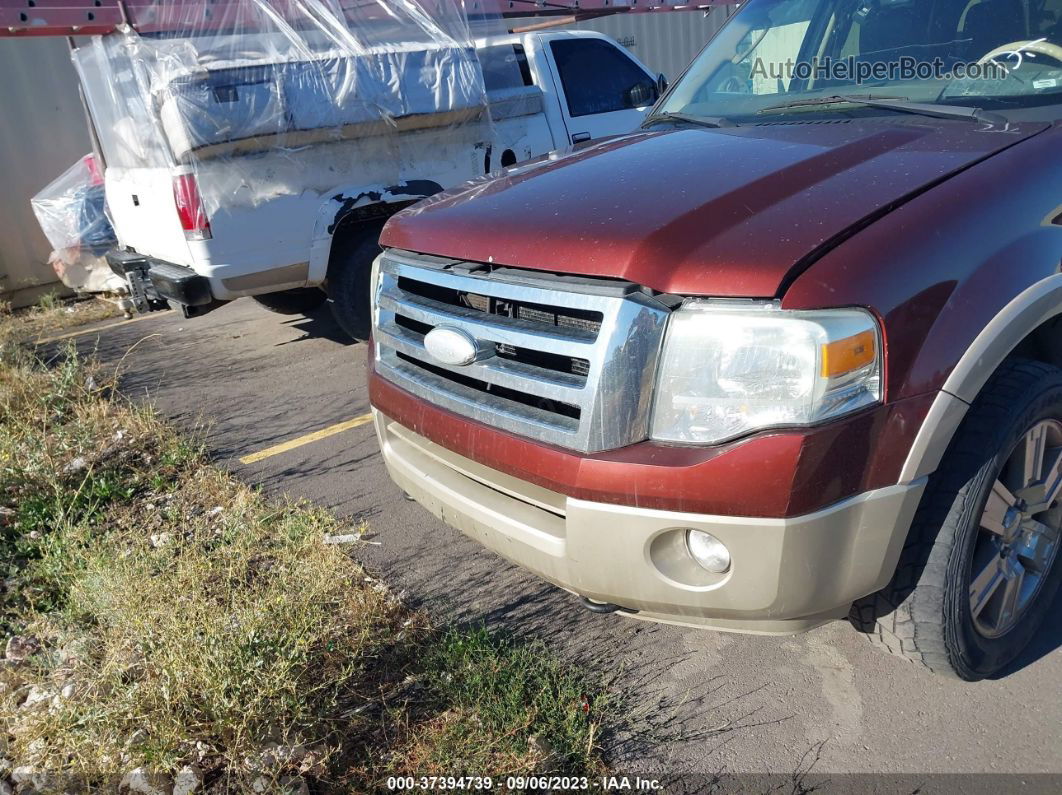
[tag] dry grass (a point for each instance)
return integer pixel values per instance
(52, 315)
(182, 619)
(205, 641)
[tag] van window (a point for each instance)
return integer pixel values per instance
(599, 78)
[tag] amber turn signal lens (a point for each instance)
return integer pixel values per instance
(851, 353)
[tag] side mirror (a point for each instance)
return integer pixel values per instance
(641, 94)
(661, 84)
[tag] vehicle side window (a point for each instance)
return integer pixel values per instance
(505, 66)
(599, 78)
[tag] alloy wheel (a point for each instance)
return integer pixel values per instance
(1018, 535)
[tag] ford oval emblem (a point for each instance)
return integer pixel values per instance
(452, 346)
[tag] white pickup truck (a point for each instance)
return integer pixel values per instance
(206, 212)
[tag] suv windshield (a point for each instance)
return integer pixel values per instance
(783, 57)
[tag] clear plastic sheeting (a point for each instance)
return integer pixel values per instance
(71, 212)
(70, 209)
(73, 218)
(250, 80)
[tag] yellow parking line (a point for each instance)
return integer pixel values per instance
(324, 433)
(82, 331)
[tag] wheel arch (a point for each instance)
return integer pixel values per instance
(1028, 326)
(341, 213)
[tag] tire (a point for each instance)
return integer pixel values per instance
(349, 273)
(292, 302)
(953, 605)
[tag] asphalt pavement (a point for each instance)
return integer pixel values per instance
(695, 701)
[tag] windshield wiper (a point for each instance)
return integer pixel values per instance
(900, 104)
(686, 118)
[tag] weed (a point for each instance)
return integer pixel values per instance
(538, 712)
(48, 302)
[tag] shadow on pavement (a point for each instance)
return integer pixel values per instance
(317, 324)
(201, 372)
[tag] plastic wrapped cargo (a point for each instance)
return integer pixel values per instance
(71, 209)
(241, 89)
(73, 217)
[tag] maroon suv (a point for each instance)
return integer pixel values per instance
(788, 353)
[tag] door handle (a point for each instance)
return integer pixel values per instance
(578, 138)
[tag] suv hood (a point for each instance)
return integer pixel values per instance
(698, 211)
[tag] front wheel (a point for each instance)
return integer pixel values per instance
(979, 573)
(349, 273)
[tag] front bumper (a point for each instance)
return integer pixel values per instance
(788, 574)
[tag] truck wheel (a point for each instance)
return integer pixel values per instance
(349, 272)
(978, 573)
(292, 302)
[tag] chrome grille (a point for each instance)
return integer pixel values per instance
(569, 361)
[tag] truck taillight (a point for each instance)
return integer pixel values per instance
(190, 208)
(94, 170)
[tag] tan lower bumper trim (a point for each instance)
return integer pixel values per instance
(787, 574)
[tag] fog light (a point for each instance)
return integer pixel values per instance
(708, 551)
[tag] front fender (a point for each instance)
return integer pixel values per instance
(959, 277)
(347, 200)
(1004, 333)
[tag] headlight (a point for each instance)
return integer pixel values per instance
(730, 369)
